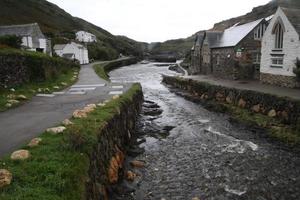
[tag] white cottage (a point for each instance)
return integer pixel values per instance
(281, 48)
(86, 37)
(72, 51)
(32, 37)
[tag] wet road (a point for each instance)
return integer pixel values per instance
(204, 155)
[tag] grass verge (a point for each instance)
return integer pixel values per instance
(30, 89)
(58, 167)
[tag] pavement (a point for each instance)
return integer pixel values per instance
(249, 85)
(19, 125)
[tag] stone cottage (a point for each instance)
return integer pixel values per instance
(211, 37)
(235, 54)
(72, 51)
(32, 37)
(281, 48)
(196, 57)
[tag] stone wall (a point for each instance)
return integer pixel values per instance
(279, 80)
(236, 68)
(284, 109)
(18, 67)
(107, 157)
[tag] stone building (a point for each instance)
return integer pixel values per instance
(281, 48)
(32, 37)
(196, 56)
(211, 37)
(235, 54)
(72, 51)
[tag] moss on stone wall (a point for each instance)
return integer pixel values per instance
(104, 68)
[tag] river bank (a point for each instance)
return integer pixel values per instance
(279, 116)
(80, 158)
(189, 151)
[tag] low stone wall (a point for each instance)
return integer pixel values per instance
(279, 80)
(108, 155)
(18, 67)
(119, 63)
(284, 109)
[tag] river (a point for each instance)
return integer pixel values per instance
(192, 152)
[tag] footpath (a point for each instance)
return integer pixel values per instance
(249, 85)
(21, 124)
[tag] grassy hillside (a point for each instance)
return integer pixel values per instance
(180, 46)
(183, 46)
(60, 25)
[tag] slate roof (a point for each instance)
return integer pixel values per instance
(293, 14)
(199, 38)
(22, 30)
(59, 46)
(68, 55)
(212, 37)
(233, 35)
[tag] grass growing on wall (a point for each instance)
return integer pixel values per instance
(104, 68)
(57, 170)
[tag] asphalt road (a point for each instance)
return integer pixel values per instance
(21, 124)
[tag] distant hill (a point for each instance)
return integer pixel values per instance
(183, 46)
(178, 46)
(60, 25)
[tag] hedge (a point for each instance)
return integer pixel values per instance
(18, 67)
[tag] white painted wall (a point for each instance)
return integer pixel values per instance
(80, 52)
(43, 44)
(83, 36)
(291, 47)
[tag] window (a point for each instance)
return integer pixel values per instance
(278, 31)
(259, 31)
(218, 59)
(277, 60)
(256, 58)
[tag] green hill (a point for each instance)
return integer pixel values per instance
(61, 26)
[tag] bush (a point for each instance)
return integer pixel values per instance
(18, 67)
(99, 52)
(297, 69)
(11, 41)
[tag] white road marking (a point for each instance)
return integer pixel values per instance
(45, 95)
(86, 86)
(82, 89)
(117, 87)
(79, 93)
(58, 93)
(115, 92)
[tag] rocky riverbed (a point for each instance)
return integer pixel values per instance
(189, 152)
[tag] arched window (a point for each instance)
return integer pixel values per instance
(278, 31)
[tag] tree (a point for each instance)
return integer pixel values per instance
(297, 69)
(11, 41)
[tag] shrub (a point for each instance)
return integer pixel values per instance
(11, 41)
(99, 52)
(297, 69)
(18, 67)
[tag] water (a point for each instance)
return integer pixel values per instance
(203, 155)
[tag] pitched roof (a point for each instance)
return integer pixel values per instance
(199, 38)
(59, 46)
(233, 35)
(22, 30)
(293, 14)
(212, 37)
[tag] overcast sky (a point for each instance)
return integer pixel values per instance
(156, 20)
